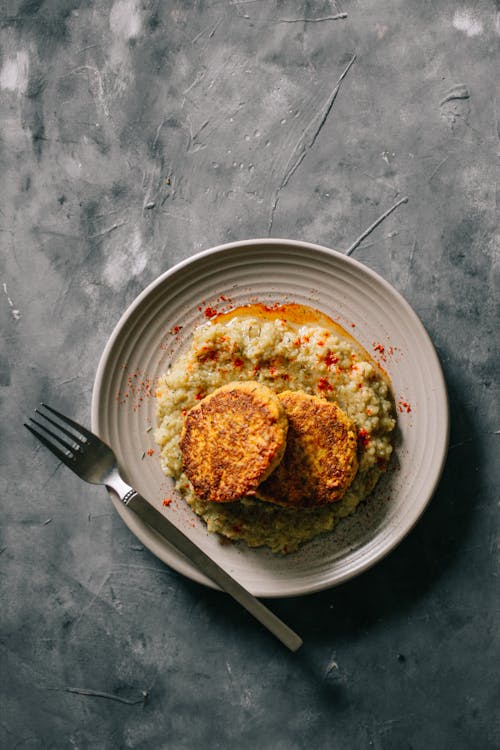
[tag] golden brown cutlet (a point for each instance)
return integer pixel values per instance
(320, 459)
(232, 440)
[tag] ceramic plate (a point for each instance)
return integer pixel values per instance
(158, 325)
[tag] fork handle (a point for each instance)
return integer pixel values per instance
(183, 544)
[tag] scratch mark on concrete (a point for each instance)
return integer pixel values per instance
(202, 127)
(337, 17)
(461, 443)
(150, 568)
(306, 142)
(95, 73)
(197, 79)
(410, 262)
(158, 131)
(229, 672)
(436, 170)
(107, 231)
(193, 147)
(84, 49)
(93, 598)
(460, 91)
(13, 310)
(330, 667)
(69, 380)
(210, 34)
(107, 213)
(108, 696)
(375, 224)
(495, 119)
(177, 216)
(52, 473)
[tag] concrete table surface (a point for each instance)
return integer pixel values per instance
(133, 134)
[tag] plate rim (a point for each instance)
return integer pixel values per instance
(297, 590)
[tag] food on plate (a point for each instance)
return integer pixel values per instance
(232, 440)
(285, 348)
(320, 460)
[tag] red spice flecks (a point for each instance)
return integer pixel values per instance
(380, 348)
(208, 355)
(210, 312)
(404, 406)
(363, 438)
(272, 306)
(175, 330)
(381, 463)
(139, 387)
(184, 412)
(150, 451)
(238, 362)
(324, 385)
(199, 396)
(166, 501)
(331, 359)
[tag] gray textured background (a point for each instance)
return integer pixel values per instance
(134, 134)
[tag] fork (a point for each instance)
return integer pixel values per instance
(94, 461)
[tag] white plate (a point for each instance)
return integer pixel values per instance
(146, 340)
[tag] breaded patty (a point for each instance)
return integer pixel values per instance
(232, 440)
(320, 459)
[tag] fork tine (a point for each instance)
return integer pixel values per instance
(76, 438)
(78, 427)
(48, 444)
(70, 448)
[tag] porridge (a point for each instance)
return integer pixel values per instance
(286, 348)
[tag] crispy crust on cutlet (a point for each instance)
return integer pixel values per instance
(320, 459)
(232, 440)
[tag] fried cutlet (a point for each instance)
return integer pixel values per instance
(232, 440)
(320, 459)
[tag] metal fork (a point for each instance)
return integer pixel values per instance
(92, 460)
